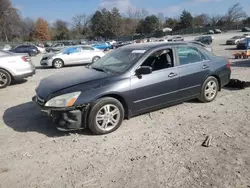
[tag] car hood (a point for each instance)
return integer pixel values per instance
(65, 80)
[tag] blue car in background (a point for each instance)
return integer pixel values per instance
(103, 46)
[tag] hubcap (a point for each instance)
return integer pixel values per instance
(3, 79)
(210, 90)
(58, 64)
(108, 117)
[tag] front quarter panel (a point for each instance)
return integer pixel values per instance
(92, 91)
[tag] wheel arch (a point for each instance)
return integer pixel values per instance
(218, 79)
(122, 100)
(11, 75)
(57, 58)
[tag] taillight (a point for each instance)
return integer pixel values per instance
(228, 64)
(24, 59)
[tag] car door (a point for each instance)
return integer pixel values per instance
(19, 49)
(71, 55)
(193, 68)
(155, 89)
(87, 54)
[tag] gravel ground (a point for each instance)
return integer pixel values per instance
(160, 149)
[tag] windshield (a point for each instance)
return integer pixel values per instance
(236, 37)
(119, 60)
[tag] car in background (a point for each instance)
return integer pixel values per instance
(210, 32)
(120, 44)
(129, 81)
(5, 47)
(245, 29)
(103, 46)
(71, 56)
(217, 31)
(205, 39)
(31, 50)
(242, 44)
(176, 39)
(246, 34)
(41, 49)
(14, 67)
(234, 40)
(207, 47)
(58, 46)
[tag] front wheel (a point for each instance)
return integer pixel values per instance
(106, 116)
(57, 63)
(5, 79)
(209, 90)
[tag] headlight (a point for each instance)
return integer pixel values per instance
(66, 100)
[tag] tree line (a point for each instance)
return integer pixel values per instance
(107, 24)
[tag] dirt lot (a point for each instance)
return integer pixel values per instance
(162, 149)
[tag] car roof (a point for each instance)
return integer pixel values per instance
(152, 45)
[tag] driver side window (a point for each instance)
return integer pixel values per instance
(159, 60)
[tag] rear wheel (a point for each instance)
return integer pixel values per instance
(106, 116)
(58, 63)
(209, 90)
(5, 79)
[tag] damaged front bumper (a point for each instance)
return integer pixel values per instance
(66, 118)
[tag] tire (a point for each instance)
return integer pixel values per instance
(5, 79)
(95, 59)
(99, 108)
(58, 63)
(209, 87)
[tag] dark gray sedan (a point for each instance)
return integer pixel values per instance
(131, 80)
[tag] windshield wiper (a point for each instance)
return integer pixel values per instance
(99, 69)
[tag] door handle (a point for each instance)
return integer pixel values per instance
(172, 74)
(205, 66)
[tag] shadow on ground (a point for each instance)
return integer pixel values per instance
(233, 48)
(28, 118)
(17, 82)
(235, 84)
(241, 63)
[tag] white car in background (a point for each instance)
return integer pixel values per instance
(42, 50)
(71, 56)
(14, 67)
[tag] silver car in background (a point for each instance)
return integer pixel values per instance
(207, 47)
(14, 67)
(72, 55)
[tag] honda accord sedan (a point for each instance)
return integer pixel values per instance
(131, 80)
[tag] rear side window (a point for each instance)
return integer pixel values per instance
(72, 50)
(188, 55)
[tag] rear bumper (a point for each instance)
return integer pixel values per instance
(25, 75)
(224, 79)
(68, 118)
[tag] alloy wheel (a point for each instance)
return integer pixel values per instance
(3, 79)
(210, 90)
(58, 64)
(108, 117)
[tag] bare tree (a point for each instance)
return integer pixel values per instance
(234, 14)
(9, 20)
(81, 22)
(215, 19)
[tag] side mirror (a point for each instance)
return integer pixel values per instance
(144, 70)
